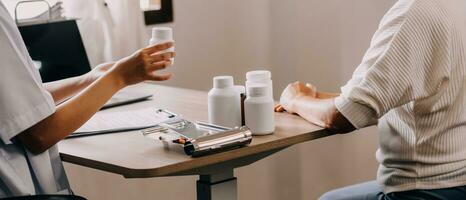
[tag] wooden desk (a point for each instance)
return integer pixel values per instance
(134, 156)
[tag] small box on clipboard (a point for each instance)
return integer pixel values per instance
(198, 139)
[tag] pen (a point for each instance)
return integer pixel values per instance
(176, 141)
(179, 141)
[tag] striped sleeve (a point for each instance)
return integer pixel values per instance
(407, 61)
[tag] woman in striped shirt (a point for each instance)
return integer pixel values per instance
(412, 84)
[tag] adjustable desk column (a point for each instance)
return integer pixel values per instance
(222, 185)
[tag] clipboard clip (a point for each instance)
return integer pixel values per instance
(166, 112)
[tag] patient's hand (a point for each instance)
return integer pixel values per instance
(292, 92)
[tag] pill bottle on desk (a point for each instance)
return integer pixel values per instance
(258, 107)
(161, 35)
(224, 105)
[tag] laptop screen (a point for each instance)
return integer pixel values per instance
(57, 48)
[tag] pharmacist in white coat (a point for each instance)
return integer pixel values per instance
(30, 122)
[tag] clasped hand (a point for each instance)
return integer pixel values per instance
(292, 93)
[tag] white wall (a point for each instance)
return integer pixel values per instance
(312, 40)
(219, 37)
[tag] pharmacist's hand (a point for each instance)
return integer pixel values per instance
(291, 93)
(144, 64)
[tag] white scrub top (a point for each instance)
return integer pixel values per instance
(23, 103)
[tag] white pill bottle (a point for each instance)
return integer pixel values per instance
(161, 35)
(258, 108)
(224, 104)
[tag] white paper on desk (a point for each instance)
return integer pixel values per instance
(103, 121)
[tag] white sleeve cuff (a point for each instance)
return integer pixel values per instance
(359, 115)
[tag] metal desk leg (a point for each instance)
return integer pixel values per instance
(217, 186)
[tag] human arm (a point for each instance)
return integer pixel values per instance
(64, 89)
(69, 116)
(320, 94)
(299, 98)
(327, 95)
(311, 90)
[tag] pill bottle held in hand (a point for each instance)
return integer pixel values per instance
(258, 108)
(161, 35)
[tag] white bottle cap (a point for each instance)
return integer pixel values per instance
(258, 90)
(162, 33)
(258, 75)
(223, 82)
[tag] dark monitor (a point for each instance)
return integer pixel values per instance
(58, 47)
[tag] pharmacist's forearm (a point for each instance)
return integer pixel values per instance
(64, 89)
(70, 115)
